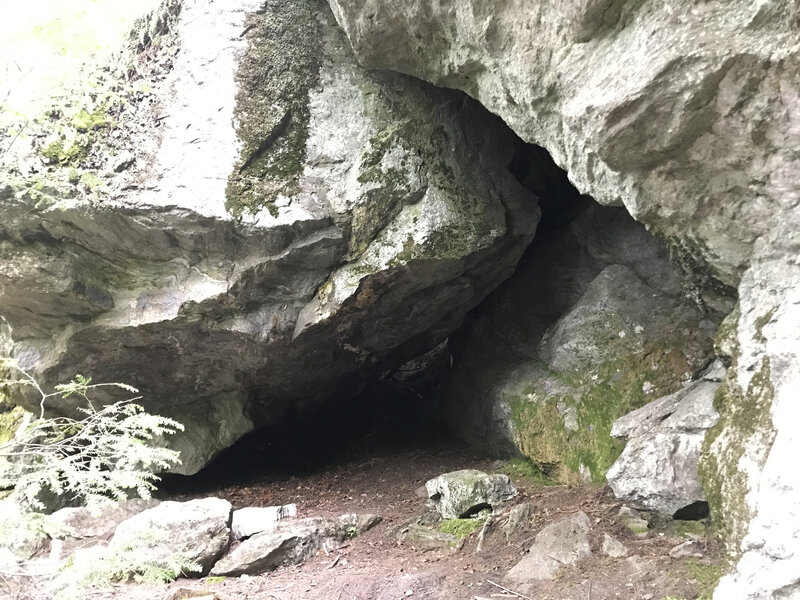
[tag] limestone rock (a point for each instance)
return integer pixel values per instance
(613, 547)
(80, 522)
(591, 325)
(198, 530)
(693, 134)
(462, 493)
(658, 468)
(563, 543)
(318, 222)
(251, 520)
(420, 537)
(518, 518)
(688, 549)
(636, 102)
(291, 542)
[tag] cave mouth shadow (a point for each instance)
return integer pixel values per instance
(385, 420)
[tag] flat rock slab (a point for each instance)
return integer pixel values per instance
(460, 494)
(420, 537)
(198, 530)
(565, 542)
(291, 542)
(255, 519)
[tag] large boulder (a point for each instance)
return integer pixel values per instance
(197, 531)
(290, 224)
(658, 468)
(463, 493)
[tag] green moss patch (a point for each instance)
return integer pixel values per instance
(745, 422)
(618, 386)
(521, 469)
(279, 68)
(461, 528)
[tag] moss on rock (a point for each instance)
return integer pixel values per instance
(279, 68)
(744, 427)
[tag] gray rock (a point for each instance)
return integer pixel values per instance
(23, 534)
(613, 547)
(284, 209)
(750, 463)
(518, 518)
(593, 311)
(688, 549)
(420, 537)
(197, 530)
(667, 106)
(80, 522)
(563, 543)
(460, 494)
(291, 542)
(685, 129)
(658, 468)
(251, 520)
(637, 521)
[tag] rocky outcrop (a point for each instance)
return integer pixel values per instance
(684, 113)
(658, 468)
(641, 104)
(290, 224)
(748, 467)
(591, 325)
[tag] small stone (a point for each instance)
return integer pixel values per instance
(518, 517)
(613, 547)
(423, 538)
(252, 520)
(637, 521)
(688, 549)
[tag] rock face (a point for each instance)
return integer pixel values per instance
(563, 543)
(346, 223)
(639, 103)
(198, 530)
(658, 468)
(460, 494)
(592, 325)
(684, 113)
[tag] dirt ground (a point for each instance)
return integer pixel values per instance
(384, 478)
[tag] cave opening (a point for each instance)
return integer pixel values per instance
(424, 405)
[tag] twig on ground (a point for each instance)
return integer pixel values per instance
(335, 562)
(505, 589)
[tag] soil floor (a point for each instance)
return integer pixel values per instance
(384, 477)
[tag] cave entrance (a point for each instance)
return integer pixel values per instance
(518, 369)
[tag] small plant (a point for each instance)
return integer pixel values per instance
(351, 532)
(103, 457)
(101, 567)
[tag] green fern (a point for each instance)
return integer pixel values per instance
(106, 456)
